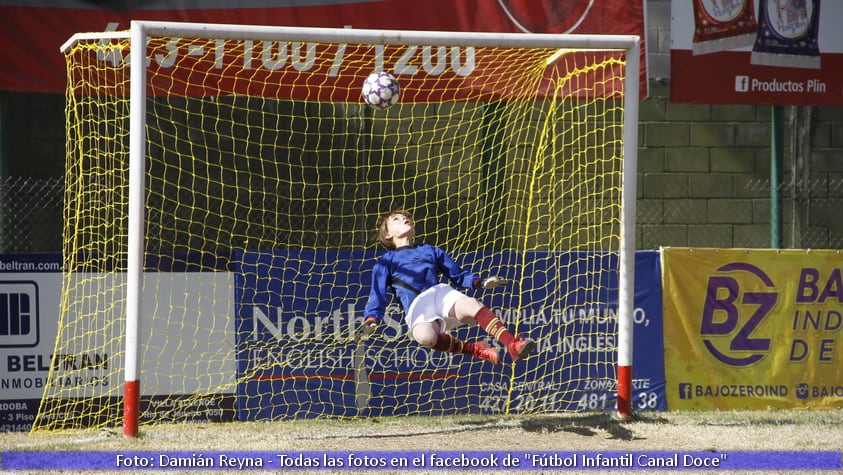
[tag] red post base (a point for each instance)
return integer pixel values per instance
(131, 408)
(624, 392)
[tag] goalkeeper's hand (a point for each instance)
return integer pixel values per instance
(367, 327)
(492, 282)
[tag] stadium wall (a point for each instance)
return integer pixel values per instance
(704, 170)
(704, 174)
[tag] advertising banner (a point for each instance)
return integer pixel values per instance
(33, 31)
(752, 329)
(31, 288)
(295, 313)
(297, 357)
(779, 52)
(334, 72)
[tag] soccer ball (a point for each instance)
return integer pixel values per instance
(381, 90)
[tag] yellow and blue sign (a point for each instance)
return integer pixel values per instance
(753, 328)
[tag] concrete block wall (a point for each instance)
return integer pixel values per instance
(694, 163)
(705, 175)
(32, 137)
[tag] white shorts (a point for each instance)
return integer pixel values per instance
(434, 304)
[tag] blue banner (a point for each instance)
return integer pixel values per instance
(296, 312)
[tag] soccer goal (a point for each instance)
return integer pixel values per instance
(223, 182)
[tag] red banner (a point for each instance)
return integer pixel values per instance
(332, 72)
(779, 52)
(32, 34)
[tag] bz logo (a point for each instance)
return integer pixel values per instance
(725, 329)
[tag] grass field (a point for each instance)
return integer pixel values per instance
(745, 431)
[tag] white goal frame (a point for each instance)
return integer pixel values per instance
(141, 30)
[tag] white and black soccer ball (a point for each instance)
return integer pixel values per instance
(381, 90)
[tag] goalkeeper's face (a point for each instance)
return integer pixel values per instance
(400, 225)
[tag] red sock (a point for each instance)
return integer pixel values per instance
(493, 326)
(450, 344)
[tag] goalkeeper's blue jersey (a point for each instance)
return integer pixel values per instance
(409, 271)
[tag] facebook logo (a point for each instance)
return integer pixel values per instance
(18, 314)
(685, 391)
(741, 83)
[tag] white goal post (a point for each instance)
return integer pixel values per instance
(141, 31)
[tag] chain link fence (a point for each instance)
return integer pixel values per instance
(31, 216)
(32, 219)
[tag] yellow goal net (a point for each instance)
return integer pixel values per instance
(223, 183)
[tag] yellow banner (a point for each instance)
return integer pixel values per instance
(752, 329)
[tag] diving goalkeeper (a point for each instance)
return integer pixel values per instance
(412, 271)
